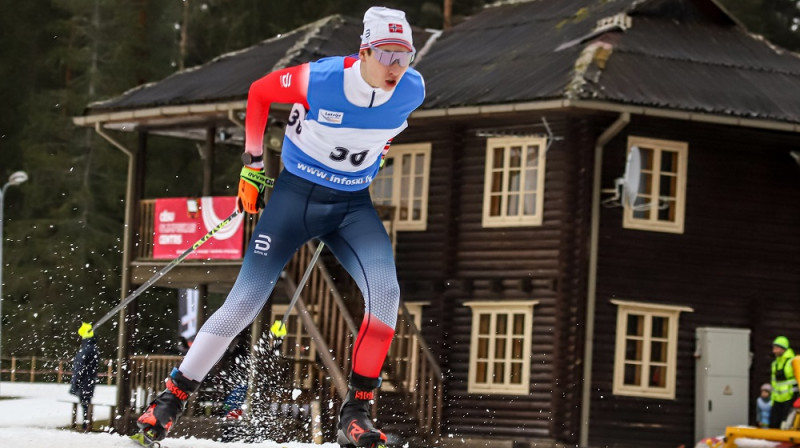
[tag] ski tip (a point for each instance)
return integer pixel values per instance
(142, 441)
(373, 445)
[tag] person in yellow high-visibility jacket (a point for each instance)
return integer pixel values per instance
(784, 383)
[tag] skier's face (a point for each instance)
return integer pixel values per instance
(377, 74)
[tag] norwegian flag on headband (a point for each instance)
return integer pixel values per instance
(395, 28)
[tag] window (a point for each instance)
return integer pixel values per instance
(661, 198)
(646, 349)
(500, 361)
(297, 346)
(513, 189)
(403, 183)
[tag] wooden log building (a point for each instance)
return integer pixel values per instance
(540, 306)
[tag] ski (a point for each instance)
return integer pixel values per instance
(343, 444)
(141, 440)
(374, 445)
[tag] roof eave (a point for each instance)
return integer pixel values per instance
(161, 112)
(553, 104)
(193, 110)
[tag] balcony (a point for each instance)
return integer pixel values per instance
(219, 275)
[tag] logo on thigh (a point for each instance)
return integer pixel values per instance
(262, 244)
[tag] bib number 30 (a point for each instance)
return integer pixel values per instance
(340, 154)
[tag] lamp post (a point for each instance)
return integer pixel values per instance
(15, 179)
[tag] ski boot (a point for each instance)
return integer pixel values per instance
(355, 422)
(165, 410)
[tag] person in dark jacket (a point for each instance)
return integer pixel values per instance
(84, 371)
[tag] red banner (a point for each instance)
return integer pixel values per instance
(181, 222)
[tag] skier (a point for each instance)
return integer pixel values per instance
(346, 112)
(84, 371)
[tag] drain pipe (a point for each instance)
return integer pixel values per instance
(611, 132)
(122, 333)
(128, 198)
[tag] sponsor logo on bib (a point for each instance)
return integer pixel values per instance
(329, 116)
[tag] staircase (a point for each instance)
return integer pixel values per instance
(327, 318)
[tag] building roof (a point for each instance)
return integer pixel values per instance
(680, 55)
(228, 77)
(686, 55)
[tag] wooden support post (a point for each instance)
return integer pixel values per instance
(316, 422)
(74, 424)
(110, 372)
(88, 424)
(448, 14)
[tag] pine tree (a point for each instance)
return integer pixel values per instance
(777, 20)
(64, 249)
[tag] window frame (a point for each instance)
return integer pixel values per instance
(648, 310)
(508, 308)
(652, 223)
(396, 153)
(520, 220)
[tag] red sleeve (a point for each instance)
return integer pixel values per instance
(288, 85)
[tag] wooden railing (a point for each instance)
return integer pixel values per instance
(326, 307)
(420, 383)
(34, 369)
(147, 375)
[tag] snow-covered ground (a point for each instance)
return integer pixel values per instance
(34, 415)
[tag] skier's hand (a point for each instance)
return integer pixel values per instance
(252, 183)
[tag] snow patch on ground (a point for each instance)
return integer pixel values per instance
(31, 415)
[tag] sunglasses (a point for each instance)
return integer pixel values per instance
(388, 58)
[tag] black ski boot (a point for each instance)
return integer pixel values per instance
(167, 407)
(355, 422)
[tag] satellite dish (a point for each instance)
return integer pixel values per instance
(630, 179)
(626, 187)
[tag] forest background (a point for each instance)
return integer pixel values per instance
(62, 238)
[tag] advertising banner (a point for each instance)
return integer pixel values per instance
(180, 222)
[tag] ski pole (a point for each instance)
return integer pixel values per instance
(278, 329)
(165, 269)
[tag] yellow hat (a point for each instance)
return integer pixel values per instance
(86, 331)
(782, 342)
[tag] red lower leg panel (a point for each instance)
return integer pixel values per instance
(371, 346)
